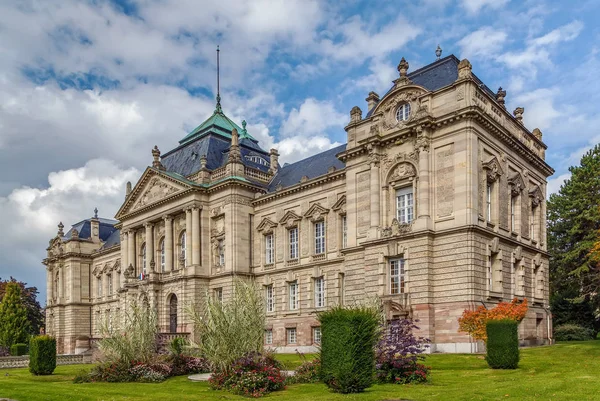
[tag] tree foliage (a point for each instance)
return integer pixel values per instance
(34, 310)
(573, 230)
(14, 325)
(474, 322)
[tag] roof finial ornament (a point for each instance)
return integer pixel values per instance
(95, 212)
(156, 158)
(438, 52)
(61, 233)
(244, 131)
(403, 67)
(218, 108)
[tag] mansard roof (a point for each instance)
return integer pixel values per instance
(218, 123)
(311, 167)
(437, 75)
(107, 228)
(112, 240)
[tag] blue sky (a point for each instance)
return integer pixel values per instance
(87, 88)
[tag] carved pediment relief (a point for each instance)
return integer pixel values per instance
(340, 205)
(396, 228)
(401, 171)
(155, 190)
(290, 219)
(516, 183)
(316, 212)
(107, 267)
(117, 266)
(97, 271)
(266, 226)
(389, 105)
(536, 195)
(493, 169)
(389, 162)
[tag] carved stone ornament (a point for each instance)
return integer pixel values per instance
(422, 143)
(74, 233)
(156, 190)
(216, 212)
(516, 184)
(396, 228)
(340, 205)
(97, 271)
(402, 171)
(316, 212)
(129, 271)
(492, 169)
(495, 245)
(107, 268)
(537, 260)
(218, 228)
(464, 69)
(290, 219)
(422, 111)
(536, 196)
(391, 105)
(518, 253)
(266, 226)
(399, 158)
(117, 266)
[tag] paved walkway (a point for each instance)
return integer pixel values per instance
(202, 377)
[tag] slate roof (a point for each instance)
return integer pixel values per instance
(220, 123)
(311, 167)
(437, 75)
(112, 240)
(107, 228)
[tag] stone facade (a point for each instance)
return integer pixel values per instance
(440, 207)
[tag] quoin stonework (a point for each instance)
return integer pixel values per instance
(435, 204)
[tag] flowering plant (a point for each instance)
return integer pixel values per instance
(398, 354)
(253, 375)
(474, 322)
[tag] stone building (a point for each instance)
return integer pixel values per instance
(435, 204)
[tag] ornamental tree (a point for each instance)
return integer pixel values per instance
(474, 322)
(35, 314)
(14, 325)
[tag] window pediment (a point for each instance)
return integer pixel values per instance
(316, 212)
(516, 183)
(340, 205)
(493, 169)
(536, 195)
(266, 226)
(290, 219)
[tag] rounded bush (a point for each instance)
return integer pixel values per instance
(18, 349)
(42, 355)
(573, 332)
(502, 344)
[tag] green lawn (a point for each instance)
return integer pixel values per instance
(567, 371)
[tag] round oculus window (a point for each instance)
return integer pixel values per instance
(403, 112)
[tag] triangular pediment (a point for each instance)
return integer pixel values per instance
(289, 216)
(536, 195)
(493, 168)
(516, 182)
(316, 212)
(266, 225)
(154, 186)
(340, 205)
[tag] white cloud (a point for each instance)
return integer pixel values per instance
(554, 184)
(312, 118)
(564, 33)
(474, 6)
(540, 111)
(484, 42)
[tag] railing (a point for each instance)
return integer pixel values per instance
(23, 361)
(292, 262)
(259, 175)
(218, 173)
(319, 257)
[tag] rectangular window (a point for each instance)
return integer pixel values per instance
(490, 275)
(344, 232)
(269, 337)
(110, 284)
(397, 276)
(99, 283)
(269, 249)
(513, 201)
(221, 252)
(270, 298)
(532, 224)
(488, 202)
(316, 335)
(293, 289)
(293, 236)
(319, 292)
(219, 294)
(319, 237)
(404, 205)
(341, 284)
(291, 335)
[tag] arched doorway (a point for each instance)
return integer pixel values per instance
(173, 314)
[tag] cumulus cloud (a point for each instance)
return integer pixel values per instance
(484, 42)
(474, 6)
(31, 215)
(313, 117)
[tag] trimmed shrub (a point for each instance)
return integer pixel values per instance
(18, 349)
(399, 353)
(502, 344)
(42, 355)
(348, 340)
(573, 332)
(307, 372)
(253, 375)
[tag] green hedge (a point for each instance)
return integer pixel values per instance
(42, 355)
(502, 344)
(573, 332)
(18, 349)
(348, 340)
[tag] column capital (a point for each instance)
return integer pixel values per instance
(187, 209)
(148, 225)
(167, 217)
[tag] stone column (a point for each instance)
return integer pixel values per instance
(195, 235)
(149, 246)
(423, 200)
(375, 189)
(131, 250)
(168, 243)
(188, 236)
(124, 253)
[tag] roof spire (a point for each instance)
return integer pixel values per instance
(218, 108)
(96, 213)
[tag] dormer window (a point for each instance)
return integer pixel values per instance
(403, 112)
(257, 160)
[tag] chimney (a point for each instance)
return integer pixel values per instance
(372, 100)
(95, 227)
(274, 161)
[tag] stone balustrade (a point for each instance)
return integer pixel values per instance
(9, 362)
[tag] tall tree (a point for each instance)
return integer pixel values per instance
(14, 325)
(35, 313)
(573, 224)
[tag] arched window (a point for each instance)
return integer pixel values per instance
(183, 242)
(173, 314)
(162, 255)
(143, 252)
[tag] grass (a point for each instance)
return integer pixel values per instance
(567, 371)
